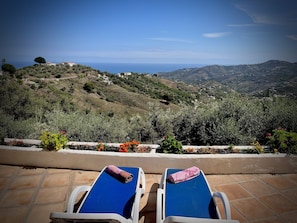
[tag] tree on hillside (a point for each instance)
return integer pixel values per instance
(8, 68)
(88, 87)
(39, 60)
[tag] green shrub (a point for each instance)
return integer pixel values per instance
(171, 145)
(8, 68)
(283, 141)
(258, 148)
(53, 141)
(88, 87)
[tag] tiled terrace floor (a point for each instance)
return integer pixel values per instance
(29, 195)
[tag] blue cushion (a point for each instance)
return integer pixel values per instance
(190, 198)
(109, 195)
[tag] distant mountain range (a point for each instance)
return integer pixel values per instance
(271, 77)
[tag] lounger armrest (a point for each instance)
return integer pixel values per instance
(226, 203)
(178, 219)
(135, 211)
(58, 217)
(73, 196)
(143, 182)
(160, 207)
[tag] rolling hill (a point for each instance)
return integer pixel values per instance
(93, 105)
(271, 77)
(83, 88)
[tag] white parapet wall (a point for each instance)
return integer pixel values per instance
(150, 162)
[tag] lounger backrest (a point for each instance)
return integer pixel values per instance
(190, 198)
(109, 195)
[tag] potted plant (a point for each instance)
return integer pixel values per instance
(171, 145)
(53, 141)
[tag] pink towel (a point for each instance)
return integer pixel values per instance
(120, 174)
(184, 175)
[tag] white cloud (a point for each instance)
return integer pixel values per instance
(215, 35)
(268, 12)
(166, 39)
(292, 37)
(255, 16)
(243, 25)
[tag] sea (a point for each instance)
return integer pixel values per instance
(114, 68)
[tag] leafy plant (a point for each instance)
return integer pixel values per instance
(53, 141)
(283, 141)
(171, 145)
(88, 87)
(258, 147)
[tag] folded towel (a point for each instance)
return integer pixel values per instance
(184, 175)
(120, 174)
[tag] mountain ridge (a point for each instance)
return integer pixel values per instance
(273, 75)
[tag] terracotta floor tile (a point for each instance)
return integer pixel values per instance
(13, 198)
(292, 177)
(85, 177)
(30, 171)
(290, 217)
(151, 184)
(257, 188)
(55, 180)
(264, 175)
(291, 195)
(3, 183)
(41, 213)
(233, 191)
(8, 171)
(13, 215)
(270, 220)
(252, 209)
(148, 217)
(215, 180)
(236, 215)
(280, 182)
(254, 198)
(25, 182)
(51, 195)
(158, 177)
(279, 203)
(221, 208)
(243, 177)
(148, 202)
(53, 171)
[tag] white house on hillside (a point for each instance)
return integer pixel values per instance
(68, 63)
(124, 74)
(50, 64)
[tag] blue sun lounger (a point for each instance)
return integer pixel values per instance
(189, 201)
(107, 200)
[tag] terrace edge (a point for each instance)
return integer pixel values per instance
(154, 163)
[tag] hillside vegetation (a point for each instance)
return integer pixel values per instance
(91, 105)
(270, 78)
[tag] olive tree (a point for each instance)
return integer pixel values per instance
(8, 68)
(39, 60)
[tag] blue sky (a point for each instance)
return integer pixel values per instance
(149, 31)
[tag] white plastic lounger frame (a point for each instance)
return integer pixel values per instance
(71, 216)
(161, 207)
